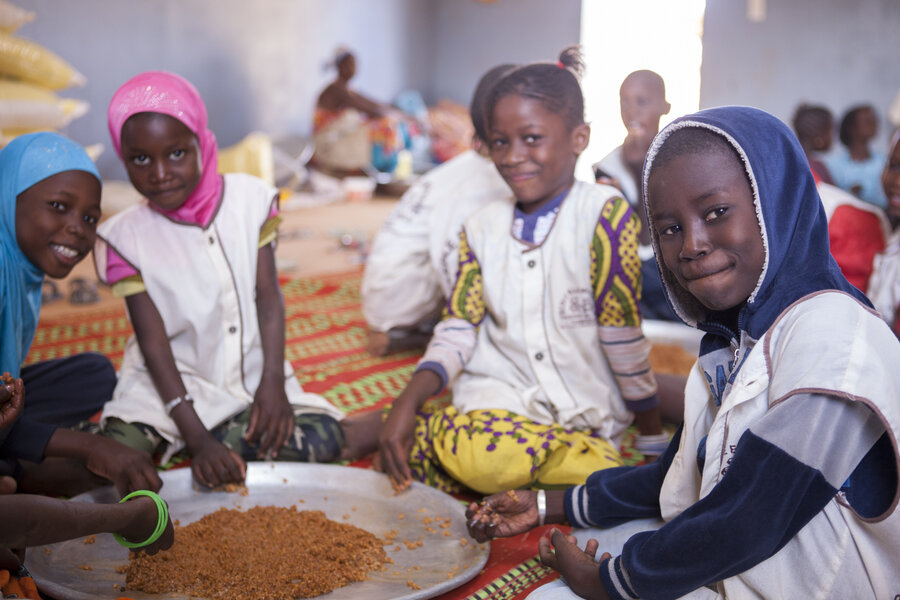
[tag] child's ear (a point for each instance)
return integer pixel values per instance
(581, 136)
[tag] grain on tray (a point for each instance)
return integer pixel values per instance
(671, 359)
(298, 554)
(229, 488)
(90, 539)
(413, 585)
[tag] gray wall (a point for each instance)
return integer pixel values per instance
(258, 64)
(832, 52)
(471, 37)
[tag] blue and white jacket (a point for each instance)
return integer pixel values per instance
(783, 480)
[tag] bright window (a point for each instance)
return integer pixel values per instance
(619, 37)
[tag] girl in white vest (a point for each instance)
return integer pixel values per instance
(782, 481)
(205, 369)
(541, 337)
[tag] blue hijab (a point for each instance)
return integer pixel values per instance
(794, 227)
(24, 162)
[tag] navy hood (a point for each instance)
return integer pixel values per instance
(791, 218)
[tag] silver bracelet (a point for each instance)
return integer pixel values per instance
(541, 506)
(171, 404)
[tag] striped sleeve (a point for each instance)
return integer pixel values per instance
(616, 284)
(776, 482)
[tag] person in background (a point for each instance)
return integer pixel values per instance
(857, 167)
(884, 285)
(642, 100)
(814, 126)
(352, 131)
(412, 264)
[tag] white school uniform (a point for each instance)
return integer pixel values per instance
(849, 551)
(413, 260)
(203, 283)
(539, 354)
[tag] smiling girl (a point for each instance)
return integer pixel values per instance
(541, 338)
(205, 369)
(49, 208)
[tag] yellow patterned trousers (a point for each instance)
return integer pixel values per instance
(490, 451)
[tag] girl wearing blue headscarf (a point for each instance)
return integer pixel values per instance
(49, 209)
(783, 480)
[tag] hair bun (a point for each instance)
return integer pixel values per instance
(572, 59)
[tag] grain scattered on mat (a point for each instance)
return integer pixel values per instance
(294, 554)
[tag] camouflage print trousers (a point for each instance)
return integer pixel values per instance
(316, 437)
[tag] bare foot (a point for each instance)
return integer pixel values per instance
(361, 434)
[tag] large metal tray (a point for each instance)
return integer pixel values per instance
(346, 494)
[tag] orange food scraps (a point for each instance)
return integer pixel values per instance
(299, 554)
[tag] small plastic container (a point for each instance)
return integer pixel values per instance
(358, 189)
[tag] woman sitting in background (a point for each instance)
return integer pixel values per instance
(352, 131)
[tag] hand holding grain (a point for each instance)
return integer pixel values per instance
(502, 515)
(12, 399)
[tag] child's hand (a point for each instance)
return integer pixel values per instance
(271, 417)
(127, 468)
(143, 519)
(577, 567)
(214, 464)
(502, 515)
(394, 444)
(12, 400)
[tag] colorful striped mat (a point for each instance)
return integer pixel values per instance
(326, 339)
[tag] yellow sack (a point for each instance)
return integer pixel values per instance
(8, 135)
(26, 106)
(252, 155)
(12, 17)
(28, 61)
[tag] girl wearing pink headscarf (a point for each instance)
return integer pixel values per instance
(205, 369)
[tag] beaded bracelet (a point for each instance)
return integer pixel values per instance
(161, 523)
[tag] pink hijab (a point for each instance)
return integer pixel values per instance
(173, 95)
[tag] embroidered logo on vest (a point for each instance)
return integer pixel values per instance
(577, 309)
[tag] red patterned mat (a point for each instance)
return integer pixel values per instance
(326, 339)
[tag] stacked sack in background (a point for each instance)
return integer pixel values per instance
(30, 76)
